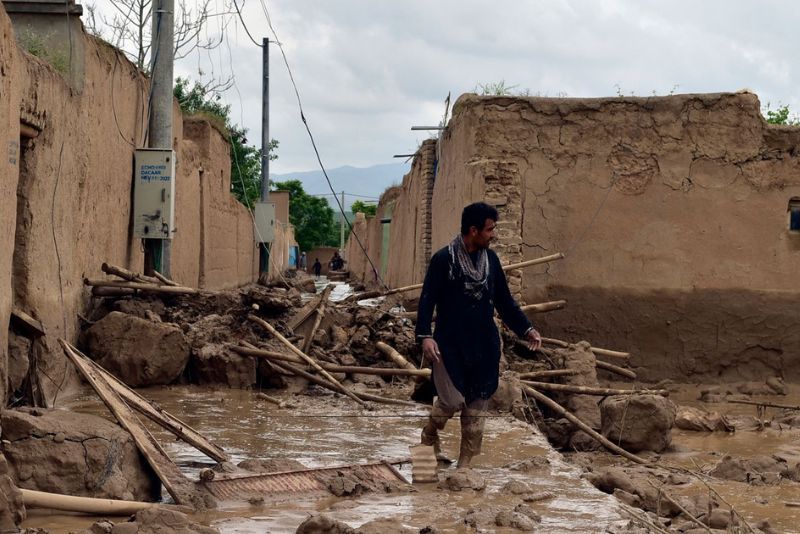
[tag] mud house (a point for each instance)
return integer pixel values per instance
(679, 217)
(65, 190)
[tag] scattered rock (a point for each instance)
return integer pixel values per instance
(508, 394)
(137, 351)
(385, 525)
(638, 422)
(516, 487)
(323, 524)
(531, 464)
(95, 459)
(777, 385)
(462, 479)
(757, 470)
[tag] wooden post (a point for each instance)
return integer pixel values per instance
(89, 505)
(150, 288)
(615, 369)
(544, 306)
(130, 276)
(305, 357)
(317, 321)
(549, 374)
(600, 352)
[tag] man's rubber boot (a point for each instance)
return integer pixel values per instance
(430, 432)
(472, 423)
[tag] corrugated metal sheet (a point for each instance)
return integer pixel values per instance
(307, 482)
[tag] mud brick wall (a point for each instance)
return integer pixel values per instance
(65, 194)
(672, 212)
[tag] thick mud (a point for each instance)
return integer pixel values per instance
(324, 431)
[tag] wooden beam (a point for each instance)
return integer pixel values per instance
(26, 323)
(588, 390)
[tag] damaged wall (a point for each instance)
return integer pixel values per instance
(672, 212)
(66, 202)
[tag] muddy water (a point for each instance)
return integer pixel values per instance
(704, 450)
(324, 431)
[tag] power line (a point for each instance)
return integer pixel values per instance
(314, 144)
(239, 12)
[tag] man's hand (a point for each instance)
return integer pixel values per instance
(534, 339)
(430, 349)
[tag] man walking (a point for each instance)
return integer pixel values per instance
(465, 283)
(317, 268)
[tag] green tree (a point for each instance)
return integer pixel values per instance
(196, 99)
(312, 217)
(781, 116)
(370, 210)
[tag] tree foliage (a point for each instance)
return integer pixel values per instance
(781, 115)
(312, 217)
(359, 206)
(197, 99)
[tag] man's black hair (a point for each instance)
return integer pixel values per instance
(475, 215)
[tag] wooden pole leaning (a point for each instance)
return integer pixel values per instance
(306, 358)
(563, 412)
(588, 390)
(616, 369)
(597, 351)
(510, 267)
(544, 306)
(130, 276)
(151, 288)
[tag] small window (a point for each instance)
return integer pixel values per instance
(794, 214)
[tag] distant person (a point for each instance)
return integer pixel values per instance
(317, 268)
(336, 262)
(303, 262)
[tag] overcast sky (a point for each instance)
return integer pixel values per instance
(368, 70)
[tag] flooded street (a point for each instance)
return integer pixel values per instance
(324, 431)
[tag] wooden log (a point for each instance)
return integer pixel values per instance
(544, 306)
(597, 351)
(549, 374)
(308, 310)
(164, 419)
(26, 323)
(130, 276)
(536, 261)
(89, 505)
(520, 265)
(112, 292)
(281, 357)
(273, 400)
(362, 296)
(150, 288)
(616, 369)
(305, 357)
(317, 320)
(395, 356)
(324, 383)
(588, 390)
(180, 487)
(563, 412)
(766, 404)
(164, 280)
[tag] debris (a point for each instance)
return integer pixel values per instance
(137, 351)
(173, 479)
(85, 505)
(462, 479)
(690, 418)
(603, 392)
(638, 422)
(543, 307)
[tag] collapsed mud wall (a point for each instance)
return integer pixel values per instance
(66, 203)
(672, 212)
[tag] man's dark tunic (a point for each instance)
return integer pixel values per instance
(465, 330)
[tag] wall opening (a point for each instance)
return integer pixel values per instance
(794, 214)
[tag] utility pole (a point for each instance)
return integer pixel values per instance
(264, 255)
(158, 252)
(341, 229)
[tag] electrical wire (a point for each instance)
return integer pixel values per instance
(238, 11)
(113, 105)
(375, 270)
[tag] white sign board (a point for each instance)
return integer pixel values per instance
(265, 222)
(154, 193)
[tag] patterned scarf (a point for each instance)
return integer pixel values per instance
(476, 276)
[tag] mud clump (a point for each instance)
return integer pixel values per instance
(759, 470)
(695, 419)
(12, 510)
(217, 364)
(323, 524)
(75, 454)
(137, 351)
(462, 479)
(354, 482)
(152, 521)
(638, 422)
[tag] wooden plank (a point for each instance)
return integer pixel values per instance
(26, 323)
(180, 487)
(308, 310)
(317, 320)
(150, 288)
(162, 418)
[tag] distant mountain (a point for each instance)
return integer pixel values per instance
(366, 181)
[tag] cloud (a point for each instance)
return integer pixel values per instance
(369, 70)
